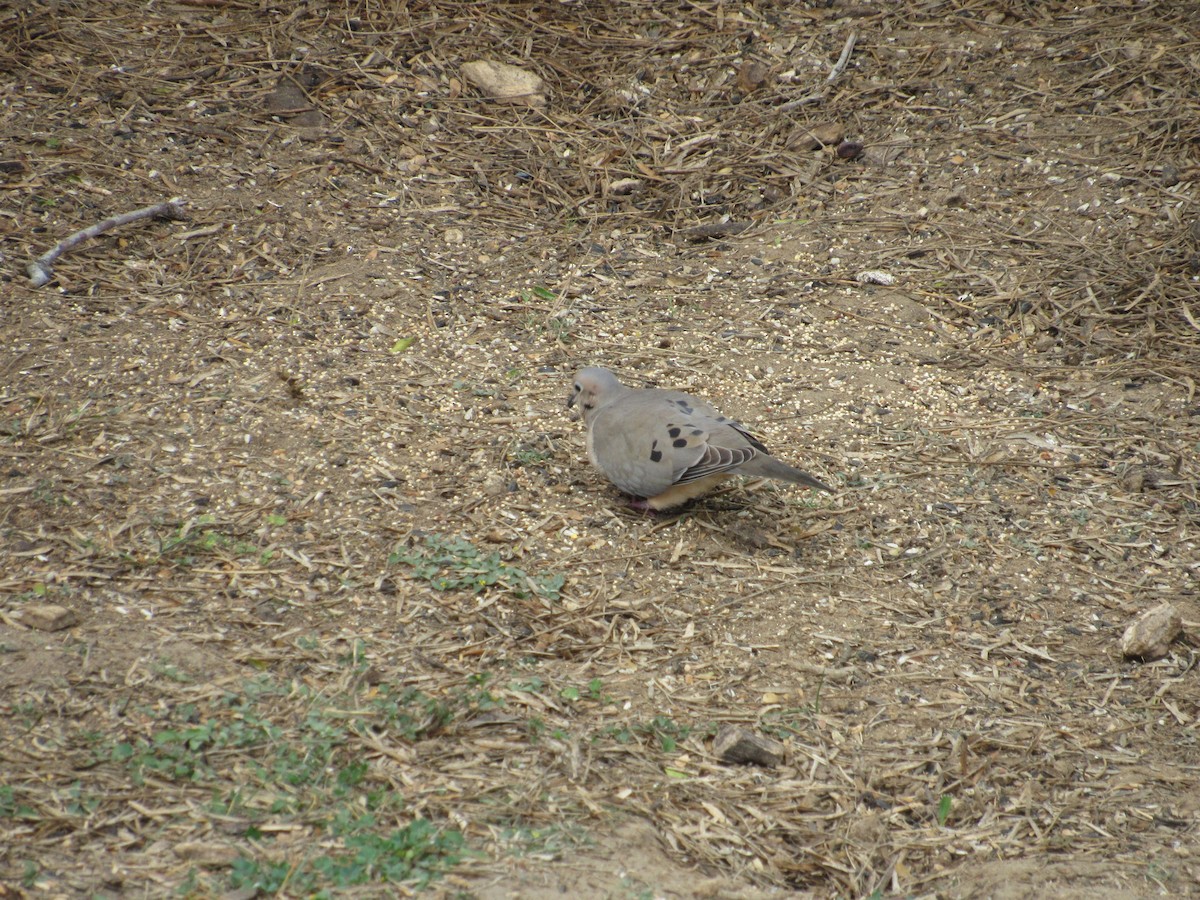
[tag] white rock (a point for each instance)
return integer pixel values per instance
(1150, 634)
(504, 82)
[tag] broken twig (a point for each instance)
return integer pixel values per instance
(41, 270)
(838, 68)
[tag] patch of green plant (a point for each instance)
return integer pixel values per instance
(408, 712)
(535, 727)
(355, 657)
(49, 494)
(416, 854)
(666, 731)
(525, 456)
(81, 802)
(31, 713)
(173, 672)
(268, 877)
(479, 697)
(186, 740)
(13, 808)
(622, 734)
(594, 690)
(561, 328)
(476, 390)
(298, 752)
(1160, 874)
(194, 538)
(414, 715)
(174, 754)
(403, 344)
(943, 810)
(531, 685)
(456, 564)
(539, 293)
(190, 886)
(785, 723)
(661, 730)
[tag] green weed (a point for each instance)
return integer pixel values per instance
(593, 691)
(786, 723)
(524, 456)
(415, 854)
(943, 810)
(305, 763)
(455, 564)
(194, 538)
(11, 806)
(661, 730)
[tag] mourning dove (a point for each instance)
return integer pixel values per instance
(665, 447)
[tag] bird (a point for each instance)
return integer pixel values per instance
(665, 447)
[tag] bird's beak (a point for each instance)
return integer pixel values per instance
(571, 400)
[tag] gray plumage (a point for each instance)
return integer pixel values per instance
(667, 447)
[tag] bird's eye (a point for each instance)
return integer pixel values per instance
(578, 389)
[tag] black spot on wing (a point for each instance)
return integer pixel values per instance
(674, 430)
(655, 453)
(679, 443)
(697, 432)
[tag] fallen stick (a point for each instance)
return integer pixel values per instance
(838, 68)
(41, 270)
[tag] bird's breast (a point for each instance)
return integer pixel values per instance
(591, 449)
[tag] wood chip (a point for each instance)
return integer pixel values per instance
(734, 744)
(751, 75)
(48, 617)
(1149, 635)
(827, 134)
(504, 82)
(207, 853)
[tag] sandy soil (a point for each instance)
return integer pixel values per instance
(306, 585)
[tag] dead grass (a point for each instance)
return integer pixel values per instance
(351, 613)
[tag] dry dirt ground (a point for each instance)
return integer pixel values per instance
(342, 608)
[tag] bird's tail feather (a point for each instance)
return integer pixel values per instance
(769, 467)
